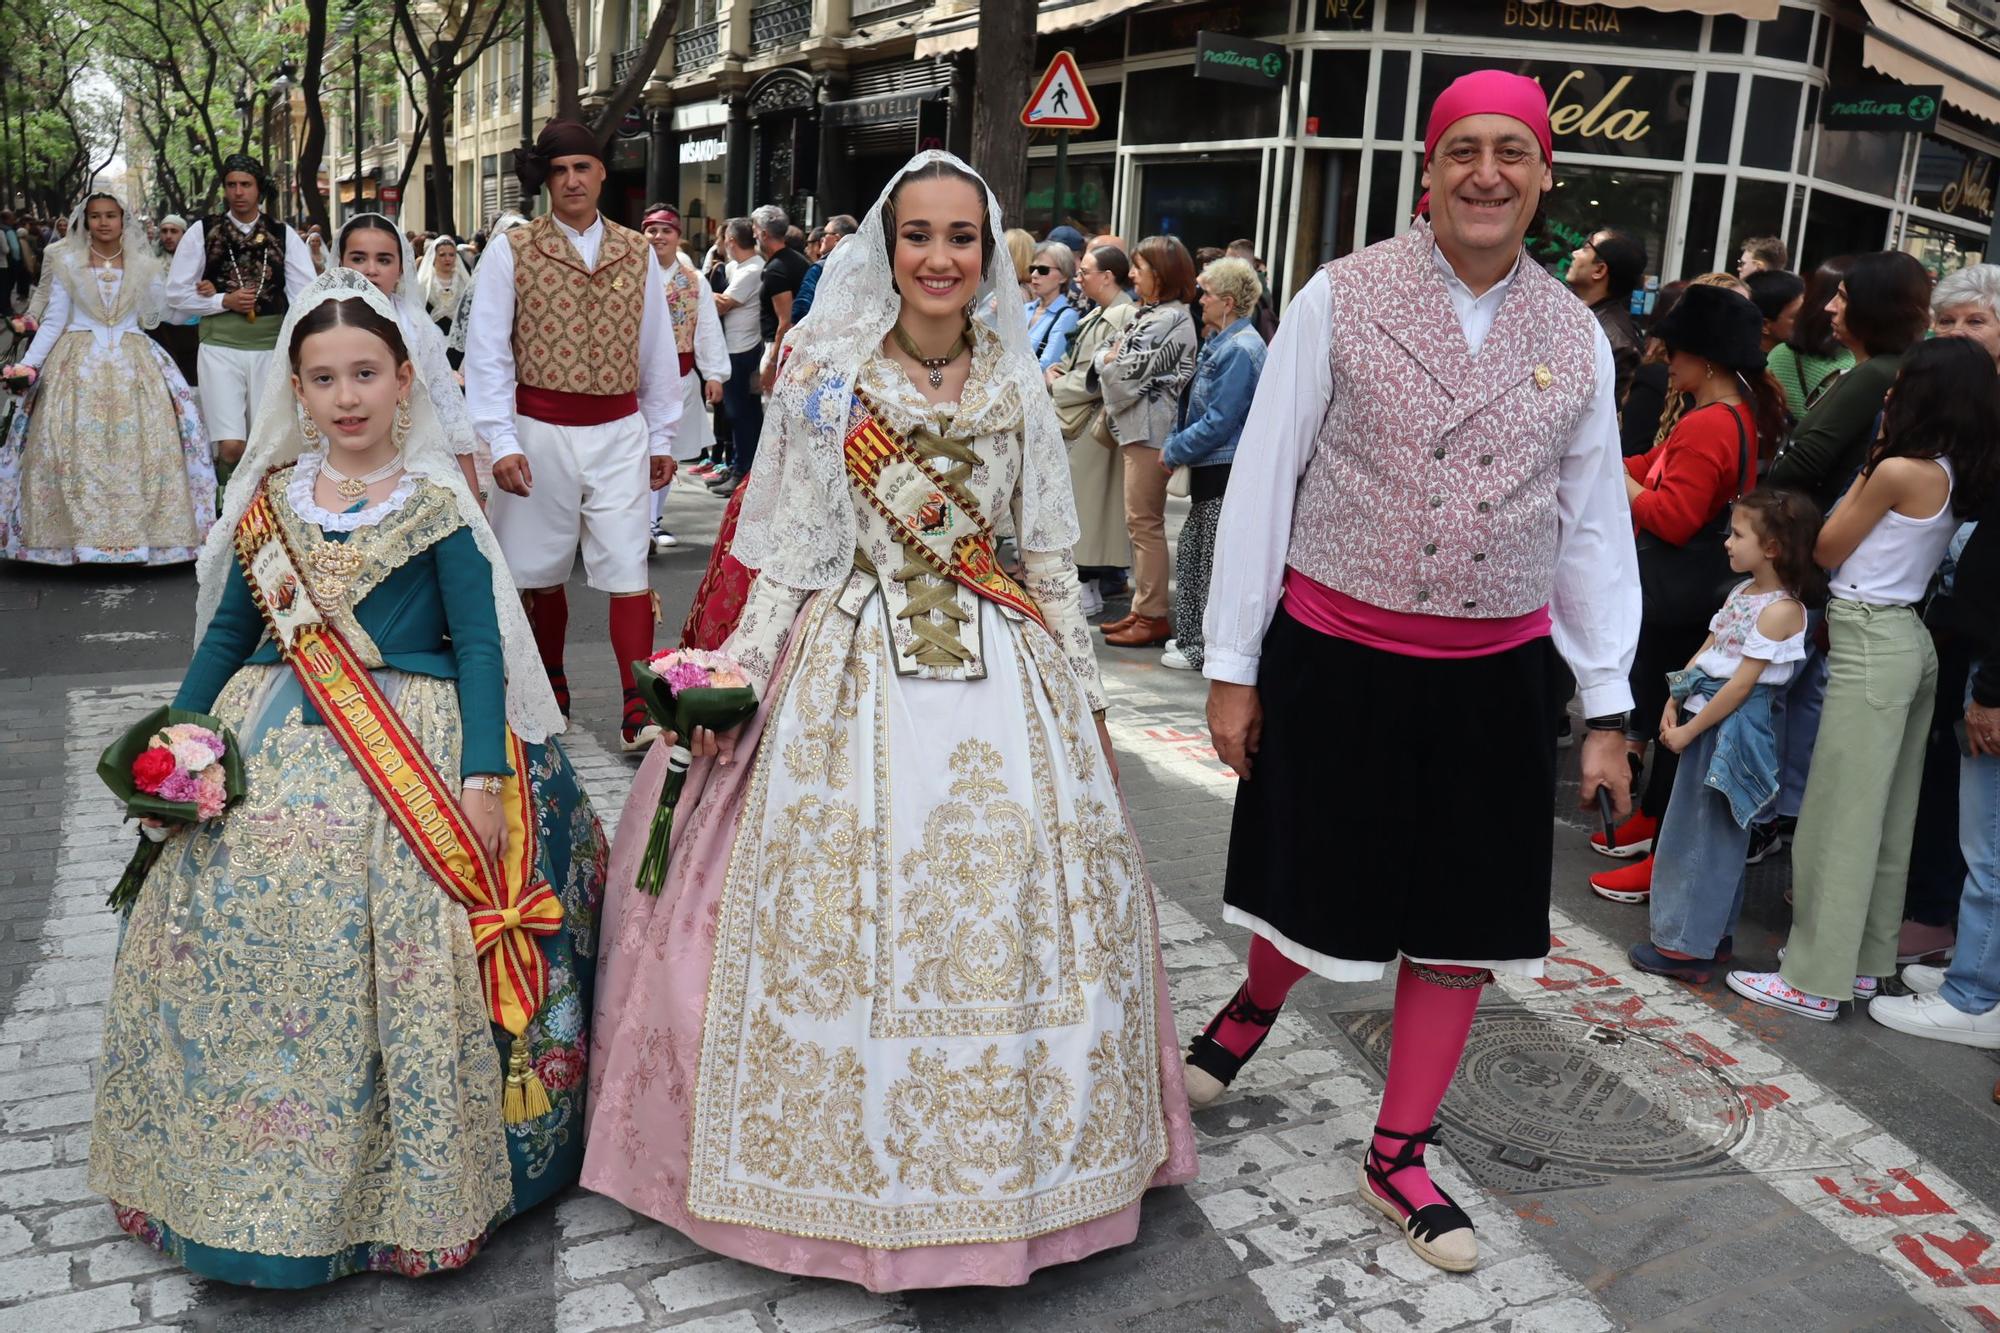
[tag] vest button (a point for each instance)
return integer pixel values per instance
(1431, 548)
(1437, 501)
(1470, 604)
(1438, 452)
(1423, 594)
(1484, 507)
(1486, 460)
(1478, 556)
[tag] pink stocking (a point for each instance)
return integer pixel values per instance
(1431, 1024)
(1272, 976)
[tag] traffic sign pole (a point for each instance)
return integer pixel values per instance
(1062, 179)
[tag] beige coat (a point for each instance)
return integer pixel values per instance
(1096, 473)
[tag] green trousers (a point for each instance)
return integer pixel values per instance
(1851, 858)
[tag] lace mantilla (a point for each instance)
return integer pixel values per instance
(299, 492)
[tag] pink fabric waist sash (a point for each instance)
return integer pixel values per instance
(1328, 611)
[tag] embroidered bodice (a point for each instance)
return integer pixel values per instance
(975, 444)
(104, 316)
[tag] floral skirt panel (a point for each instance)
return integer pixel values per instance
(725, 586)
(898, 1016)
(105, 460)
(299, 1079)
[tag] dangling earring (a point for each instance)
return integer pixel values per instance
(308, 429)
(400, 432)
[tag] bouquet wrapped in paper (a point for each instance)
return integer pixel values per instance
(176, 766)
(682, 690)
(18, 378)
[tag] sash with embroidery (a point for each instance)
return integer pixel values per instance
(939, 522)
(507, 902)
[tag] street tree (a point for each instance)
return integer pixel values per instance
(435, 44)
(1006, 72)
(55, 135)
(561, 36)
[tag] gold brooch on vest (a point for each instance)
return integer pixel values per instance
(1544, 377)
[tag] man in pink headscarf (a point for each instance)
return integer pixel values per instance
(1395, 563)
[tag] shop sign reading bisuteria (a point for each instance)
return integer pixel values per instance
(1626, 111)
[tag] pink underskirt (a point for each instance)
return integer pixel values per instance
(1334, 613)
(652, 995)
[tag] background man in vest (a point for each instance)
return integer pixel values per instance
(573, 382)
(1392, 562)
(238, 271)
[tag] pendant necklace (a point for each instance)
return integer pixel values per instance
(353, 488)
(106, 274)
(934, 364)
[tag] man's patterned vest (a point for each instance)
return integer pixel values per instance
(1432, 489)
(576, 330)
(254, 259)
(684, 307)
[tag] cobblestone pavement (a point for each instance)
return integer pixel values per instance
(1635, 1153)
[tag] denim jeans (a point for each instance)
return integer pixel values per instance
(1972, 984)
(745, 402)
(1698, 870)
(1797, 716)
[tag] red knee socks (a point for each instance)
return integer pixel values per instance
(1272, 976)
(1431, 1025)
(548, 615)
(632, 620)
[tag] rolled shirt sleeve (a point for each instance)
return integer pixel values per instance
(489, 352)
(184, 275)
(1594, 612)
(659, 364)
(711, 353)
(1255, 530)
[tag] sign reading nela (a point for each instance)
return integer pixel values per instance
(1631, 112)
(1882, 106)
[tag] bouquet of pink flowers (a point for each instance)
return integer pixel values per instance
(19, 378)
(174, 765)
(684, 689)
(24, 326)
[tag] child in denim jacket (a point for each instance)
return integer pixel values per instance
(1718, 718)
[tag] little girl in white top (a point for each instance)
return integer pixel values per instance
(1719, 718)
(1884, 541)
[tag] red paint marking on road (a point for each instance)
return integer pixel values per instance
(1986, 1318)
(1757, 1097)
(1623, 1013)
(1174, 735)
(1884, 1200)
(1596, 978)
(1532, 1211)
(1700, 1050)
(1963, 1251)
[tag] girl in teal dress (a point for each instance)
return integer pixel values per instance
(300, 1079)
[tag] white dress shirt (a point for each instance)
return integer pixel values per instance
(740, 329)
(191, 260)
(1594, 609)
(489, 347)
(711, 350)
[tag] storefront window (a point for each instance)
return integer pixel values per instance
(1587, 200)
(1168, 106)
(1943, 250)
(1703, 218)
(1861, 160)
(1337, 106)
(1327, 191)
(1771, 130)
(1837, 226)
(1718, 120)
(1953, 179)
(1393, 96)
(1787, 36)
(1760, 211)
(1087, 198)
(1610, 108)
(1204, 199)
(1384, 217)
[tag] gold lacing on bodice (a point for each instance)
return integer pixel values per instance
(933, 611)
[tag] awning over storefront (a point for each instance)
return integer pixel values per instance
(1913, 48)
(960, 32)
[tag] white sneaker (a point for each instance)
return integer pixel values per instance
(664, 540)
(1093, 599)
(1174, 660)
(1772, 989)
(1933, 1016)
(1865, 988)
(1923, 979)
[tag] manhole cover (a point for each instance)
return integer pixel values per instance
(1555, 1100)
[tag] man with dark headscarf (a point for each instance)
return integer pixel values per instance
(574, 383)
(238, 271)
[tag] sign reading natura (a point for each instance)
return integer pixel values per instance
(1882, 106)
(1239, 60)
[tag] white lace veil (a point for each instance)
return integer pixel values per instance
(276, 439)
(440, 298)
(462, 320)
(420, 334)
(798, 523)
(142, 289)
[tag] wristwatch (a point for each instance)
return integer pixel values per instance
(1609, 721)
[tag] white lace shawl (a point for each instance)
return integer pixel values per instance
(276, 439)
(441, 298)
(141, 289)
(462, 320)
(798, 526)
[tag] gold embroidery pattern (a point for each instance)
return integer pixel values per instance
(806, 1127)
(296, 1052)
(1116, 1115)
(809, 938)
(831, 686)
(952, 1131)
(976, 918)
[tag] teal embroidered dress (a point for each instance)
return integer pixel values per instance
(299, 1079)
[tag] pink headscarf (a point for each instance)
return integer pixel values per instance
(1489, 92)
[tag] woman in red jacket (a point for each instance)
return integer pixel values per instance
(1681, 490)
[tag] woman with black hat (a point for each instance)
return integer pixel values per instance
(1680, 492)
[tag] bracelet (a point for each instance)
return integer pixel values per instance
(490, 783)
(1609, 721)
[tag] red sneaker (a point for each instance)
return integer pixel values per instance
(1627, 884)
(1635, 837)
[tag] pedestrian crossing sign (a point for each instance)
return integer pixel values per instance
(1061, 102)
